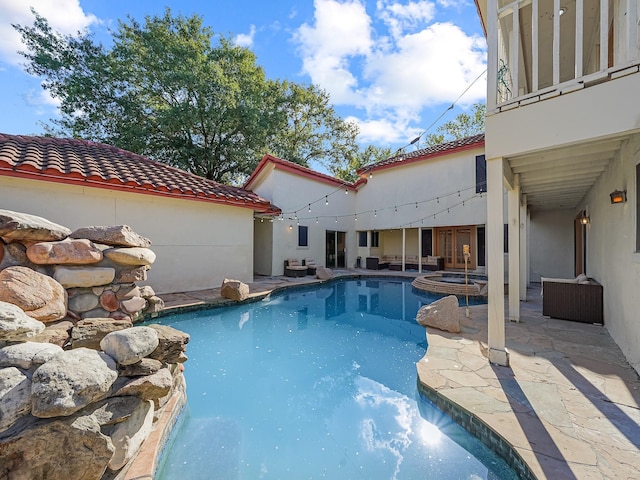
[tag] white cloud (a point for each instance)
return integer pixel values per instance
(393, 65)
(342, 32)
(246, 39)
(400, 18)
(41, 101)
(65, 16)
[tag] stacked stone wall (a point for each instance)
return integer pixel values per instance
(74, 370)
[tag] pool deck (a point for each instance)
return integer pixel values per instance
(568, 406)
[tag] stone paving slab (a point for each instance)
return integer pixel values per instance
(569, 404)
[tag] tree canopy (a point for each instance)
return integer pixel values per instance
(172, 90)
(464, 125)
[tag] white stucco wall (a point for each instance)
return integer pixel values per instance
(612, 258)
(551, 242)
(389, 199)
(293, 193)
(197, 244)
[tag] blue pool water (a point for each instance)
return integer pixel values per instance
(316, 383)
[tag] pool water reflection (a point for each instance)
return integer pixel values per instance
(316, 383)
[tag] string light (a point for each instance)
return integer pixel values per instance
(375, 213)
(326, 200)
(316, 219)
(370, 175)
(346, 191)
(336, 219)
(309, 208)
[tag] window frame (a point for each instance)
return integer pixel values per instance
(303, 236)
(363, 235)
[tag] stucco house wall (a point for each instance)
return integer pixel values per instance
(197, 244)
(551, 244)
(296, 193)
(389, 198)
(612, 258)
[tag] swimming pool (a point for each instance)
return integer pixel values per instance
(316, 382)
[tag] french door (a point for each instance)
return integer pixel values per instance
(450, 242)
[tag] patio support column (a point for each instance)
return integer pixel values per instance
(524, 233)
(513, 197)
(498, 353)
(419, 249)
(404, 246)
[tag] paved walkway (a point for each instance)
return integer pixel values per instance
(569, 405)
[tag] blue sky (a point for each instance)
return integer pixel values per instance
(392, 66)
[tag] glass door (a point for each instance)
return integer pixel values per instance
(336, 249)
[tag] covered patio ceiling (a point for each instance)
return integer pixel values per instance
(560, 178)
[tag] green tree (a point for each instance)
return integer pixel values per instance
(167, 90)
(347, 167)
(464, 125)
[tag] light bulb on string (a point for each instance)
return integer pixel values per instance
(309, 208)
(326, 200)
(346, 191)
(437, 199)
(370, 175)
(316, 219)
(375, 213)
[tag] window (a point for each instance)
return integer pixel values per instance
(427, 242)
(362, 239)
(481, 246)
(303, 236)
(506, 238)
(375, 239)
(481, 174)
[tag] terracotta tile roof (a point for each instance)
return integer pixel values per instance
(102, 166)
(475, 141)
(300, 170)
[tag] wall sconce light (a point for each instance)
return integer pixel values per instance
(618, 196)
(584, 219)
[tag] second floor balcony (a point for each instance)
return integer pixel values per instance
(542, 48)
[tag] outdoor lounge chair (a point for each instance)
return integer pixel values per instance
(310, 263)
(292, 268)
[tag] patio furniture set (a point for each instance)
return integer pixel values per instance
(394, 262)
(293, 267)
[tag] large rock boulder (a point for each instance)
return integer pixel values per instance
(172, 344)
(150, 387)
(130, 275)
(135, 256)
(146, 366)
(84, 276)
(70, 381)
(234, 290)
(117, 235)
(90, 332)
(40, 296)
(323, 273)
(22, 226)
(83, 302)
(442, 314)
(72, 448)
(15, 324)
(68, 251)
(28, 355)
(131, 345)
(128, 435)
(15, 397)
